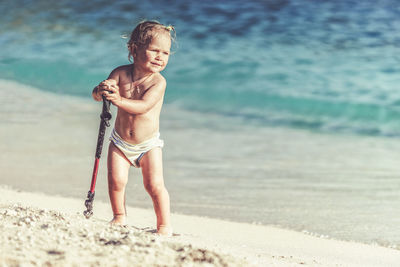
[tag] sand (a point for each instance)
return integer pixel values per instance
(41, 237)
(43, 230)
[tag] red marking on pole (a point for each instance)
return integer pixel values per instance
(95, 169)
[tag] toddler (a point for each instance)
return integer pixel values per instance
(137, 90)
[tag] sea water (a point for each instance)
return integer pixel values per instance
(290, 108)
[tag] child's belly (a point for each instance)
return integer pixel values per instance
(136, 129)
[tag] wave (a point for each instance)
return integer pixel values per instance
(322, 66)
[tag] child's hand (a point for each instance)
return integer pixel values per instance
(112, 91)
(98, 91)
(106, 85)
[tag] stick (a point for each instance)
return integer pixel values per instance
(104, 123)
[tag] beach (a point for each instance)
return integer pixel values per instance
(43, 230)
(49, 143)
(280, 126)
(52, 235)
(344, 187)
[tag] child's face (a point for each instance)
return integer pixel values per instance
(154, 57)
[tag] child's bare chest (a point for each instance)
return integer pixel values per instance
(131, 91)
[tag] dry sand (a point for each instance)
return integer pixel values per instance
(42, 230)
(41, 237)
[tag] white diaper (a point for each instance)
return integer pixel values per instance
(135, 152)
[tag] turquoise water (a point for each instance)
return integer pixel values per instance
(258, 81)
(326, 66)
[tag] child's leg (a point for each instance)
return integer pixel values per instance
(118, 170)
(153, 181)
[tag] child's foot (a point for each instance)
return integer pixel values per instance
(119, 219)
(164, 230)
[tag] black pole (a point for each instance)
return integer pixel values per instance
(105, 116)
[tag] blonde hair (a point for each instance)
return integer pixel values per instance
(144, 32)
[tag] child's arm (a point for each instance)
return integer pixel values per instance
(95, 94)
(149, 99)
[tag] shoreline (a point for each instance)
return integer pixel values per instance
(238, 243)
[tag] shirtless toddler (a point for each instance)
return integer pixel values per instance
(137, 90)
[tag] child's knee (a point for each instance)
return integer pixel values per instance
(154, 188)
(116, 185)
